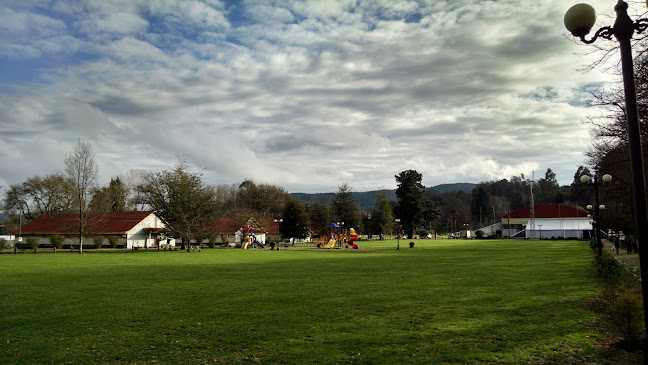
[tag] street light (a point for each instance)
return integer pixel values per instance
(397, 221)
(579, 20)
(596, 181)
(278, 221)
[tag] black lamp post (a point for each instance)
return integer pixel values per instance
(278, 221)
(596, 181)
(397, 221)
(579, 20)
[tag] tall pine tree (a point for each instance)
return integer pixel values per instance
(345, 209)
(413, 206)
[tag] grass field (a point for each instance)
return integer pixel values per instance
(441, 302)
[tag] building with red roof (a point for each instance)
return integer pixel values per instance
(550, 220)
(133, 229)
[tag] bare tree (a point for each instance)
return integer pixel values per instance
(82, 171)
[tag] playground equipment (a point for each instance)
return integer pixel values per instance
(352, 237)
(337, 235)
(249, 240)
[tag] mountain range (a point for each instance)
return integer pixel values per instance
(366, 199)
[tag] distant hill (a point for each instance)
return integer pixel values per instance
(366, 199)
(449, 188)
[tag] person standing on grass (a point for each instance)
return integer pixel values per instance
(629, 245)
(615, 248)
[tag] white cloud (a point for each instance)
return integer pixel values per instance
(306, 95)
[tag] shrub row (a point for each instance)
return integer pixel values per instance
(621, 298)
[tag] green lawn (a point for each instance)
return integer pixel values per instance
(449, 301)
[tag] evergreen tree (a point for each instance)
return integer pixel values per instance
(345, 209)
(579, 191)
(111, 198)
(548, 188)
(295, 220)
(382, 218)
(517, 200)
(480, 204)
(413, 206)
(319, 215)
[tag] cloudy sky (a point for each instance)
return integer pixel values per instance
(303, 94)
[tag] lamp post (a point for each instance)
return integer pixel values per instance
(596, 181)
(278, 221)
(579, 20)
(397, 221)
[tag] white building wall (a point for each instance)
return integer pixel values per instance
(137, 237)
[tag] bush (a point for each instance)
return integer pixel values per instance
(98, 241)
(112, 241)
(211, 241)
(626, 312)
(479, 234)
(3, 243)
(56, 241)
(621, 299)
(33, 243)
(224, 240)
(607, 269)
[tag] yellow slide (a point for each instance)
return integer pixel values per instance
(330, 244)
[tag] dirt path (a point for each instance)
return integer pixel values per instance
(623, 256)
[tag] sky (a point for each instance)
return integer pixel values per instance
(306, 95)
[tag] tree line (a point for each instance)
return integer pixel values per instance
(191, 207)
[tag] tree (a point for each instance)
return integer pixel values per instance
(263, 200)
(382, 217)
(39, 195)
(81, 171)
(111, 198)
(295, 220)
(345, 209)
(182, 199)
(517, 200)
(549, 189)
(579, 193)
(413, 206)
(480, 204)
(319, 215)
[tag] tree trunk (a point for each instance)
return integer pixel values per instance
(80, 231)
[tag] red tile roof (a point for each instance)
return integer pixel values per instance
(548, 211)
(99, 223)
